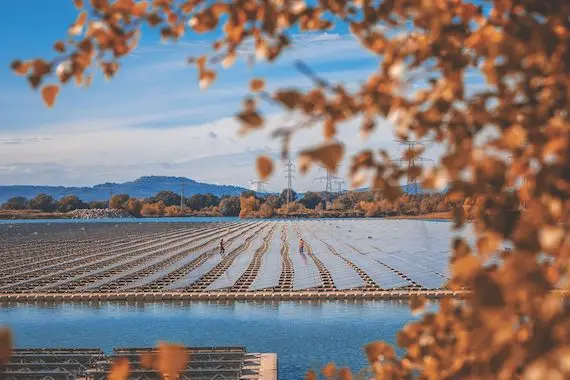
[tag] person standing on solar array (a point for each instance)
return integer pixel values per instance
(222, 249)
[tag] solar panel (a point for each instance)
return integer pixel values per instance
(148, 279)
(381, 275)
(416, 272)
(207, 265)
(169, 269)
(306, 275)
(238, 267)
(343, 276)
(271, 266)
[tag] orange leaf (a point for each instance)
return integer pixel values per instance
(79, 23)
(172, 359)
(250, 119)
(206, 78)
(59, 46)
(310, 375)
(147, 360)
(465, 267)
(417, 304)
(257, 85)
(49, 93)
(140, 9)
(264, 166)
(328, 154)
(289, 98)
(488, 243)
(378, 350)
(5, 345)
(344, 374)
(329, 371)
(78, 4)
(120, 369)
(329, 128)
(21, 68)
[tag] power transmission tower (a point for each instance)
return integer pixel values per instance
(328, 180)
(258, 185)
(411, 184)
(289, 170)
(339, 182)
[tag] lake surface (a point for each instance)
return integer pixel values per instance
(304, 335)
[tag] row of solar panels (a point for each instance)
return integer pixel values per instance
(71, 364)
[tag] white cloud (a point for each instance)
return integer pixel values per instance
(83, 156)
(153, 121)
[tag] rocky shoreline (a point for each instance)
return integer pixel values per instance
(98, 213)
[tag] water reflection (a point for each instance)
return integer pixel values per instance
(304, 334)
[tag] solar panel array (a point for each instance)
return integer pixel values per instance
(305, 272)
(340, 254)
(271, 266)
(203, 363)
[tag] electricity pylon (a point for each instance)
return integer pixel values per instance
(289, 170)
(328, 180)
(258, 184)
(339, 182)
(411, 184)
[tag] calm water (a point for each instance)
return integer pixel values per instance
(304, 335)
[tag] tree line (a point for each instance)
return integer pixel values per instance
(253, 205)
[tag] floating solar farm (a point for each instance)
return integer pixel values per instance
(351, 256)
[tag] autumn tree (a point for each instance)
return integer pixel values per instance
(266, 211)
(70, 203)
(273, 201)
(230, 206)
(134, 207)
(200, 201)
(42, 202)
(15, 203)
(169, 198)
(248, 194)
(490, 84)
(310, 200)
(247, 205)
(119, 201)
(283, 196)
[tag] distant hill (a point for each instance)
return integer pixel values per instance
(141, 188)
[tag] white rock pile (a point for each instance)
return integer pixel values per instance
(98, 213)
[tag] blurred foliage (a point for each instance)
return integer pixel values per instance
(505, 145)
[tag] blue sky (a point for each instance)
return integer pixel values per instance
(152, 119)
